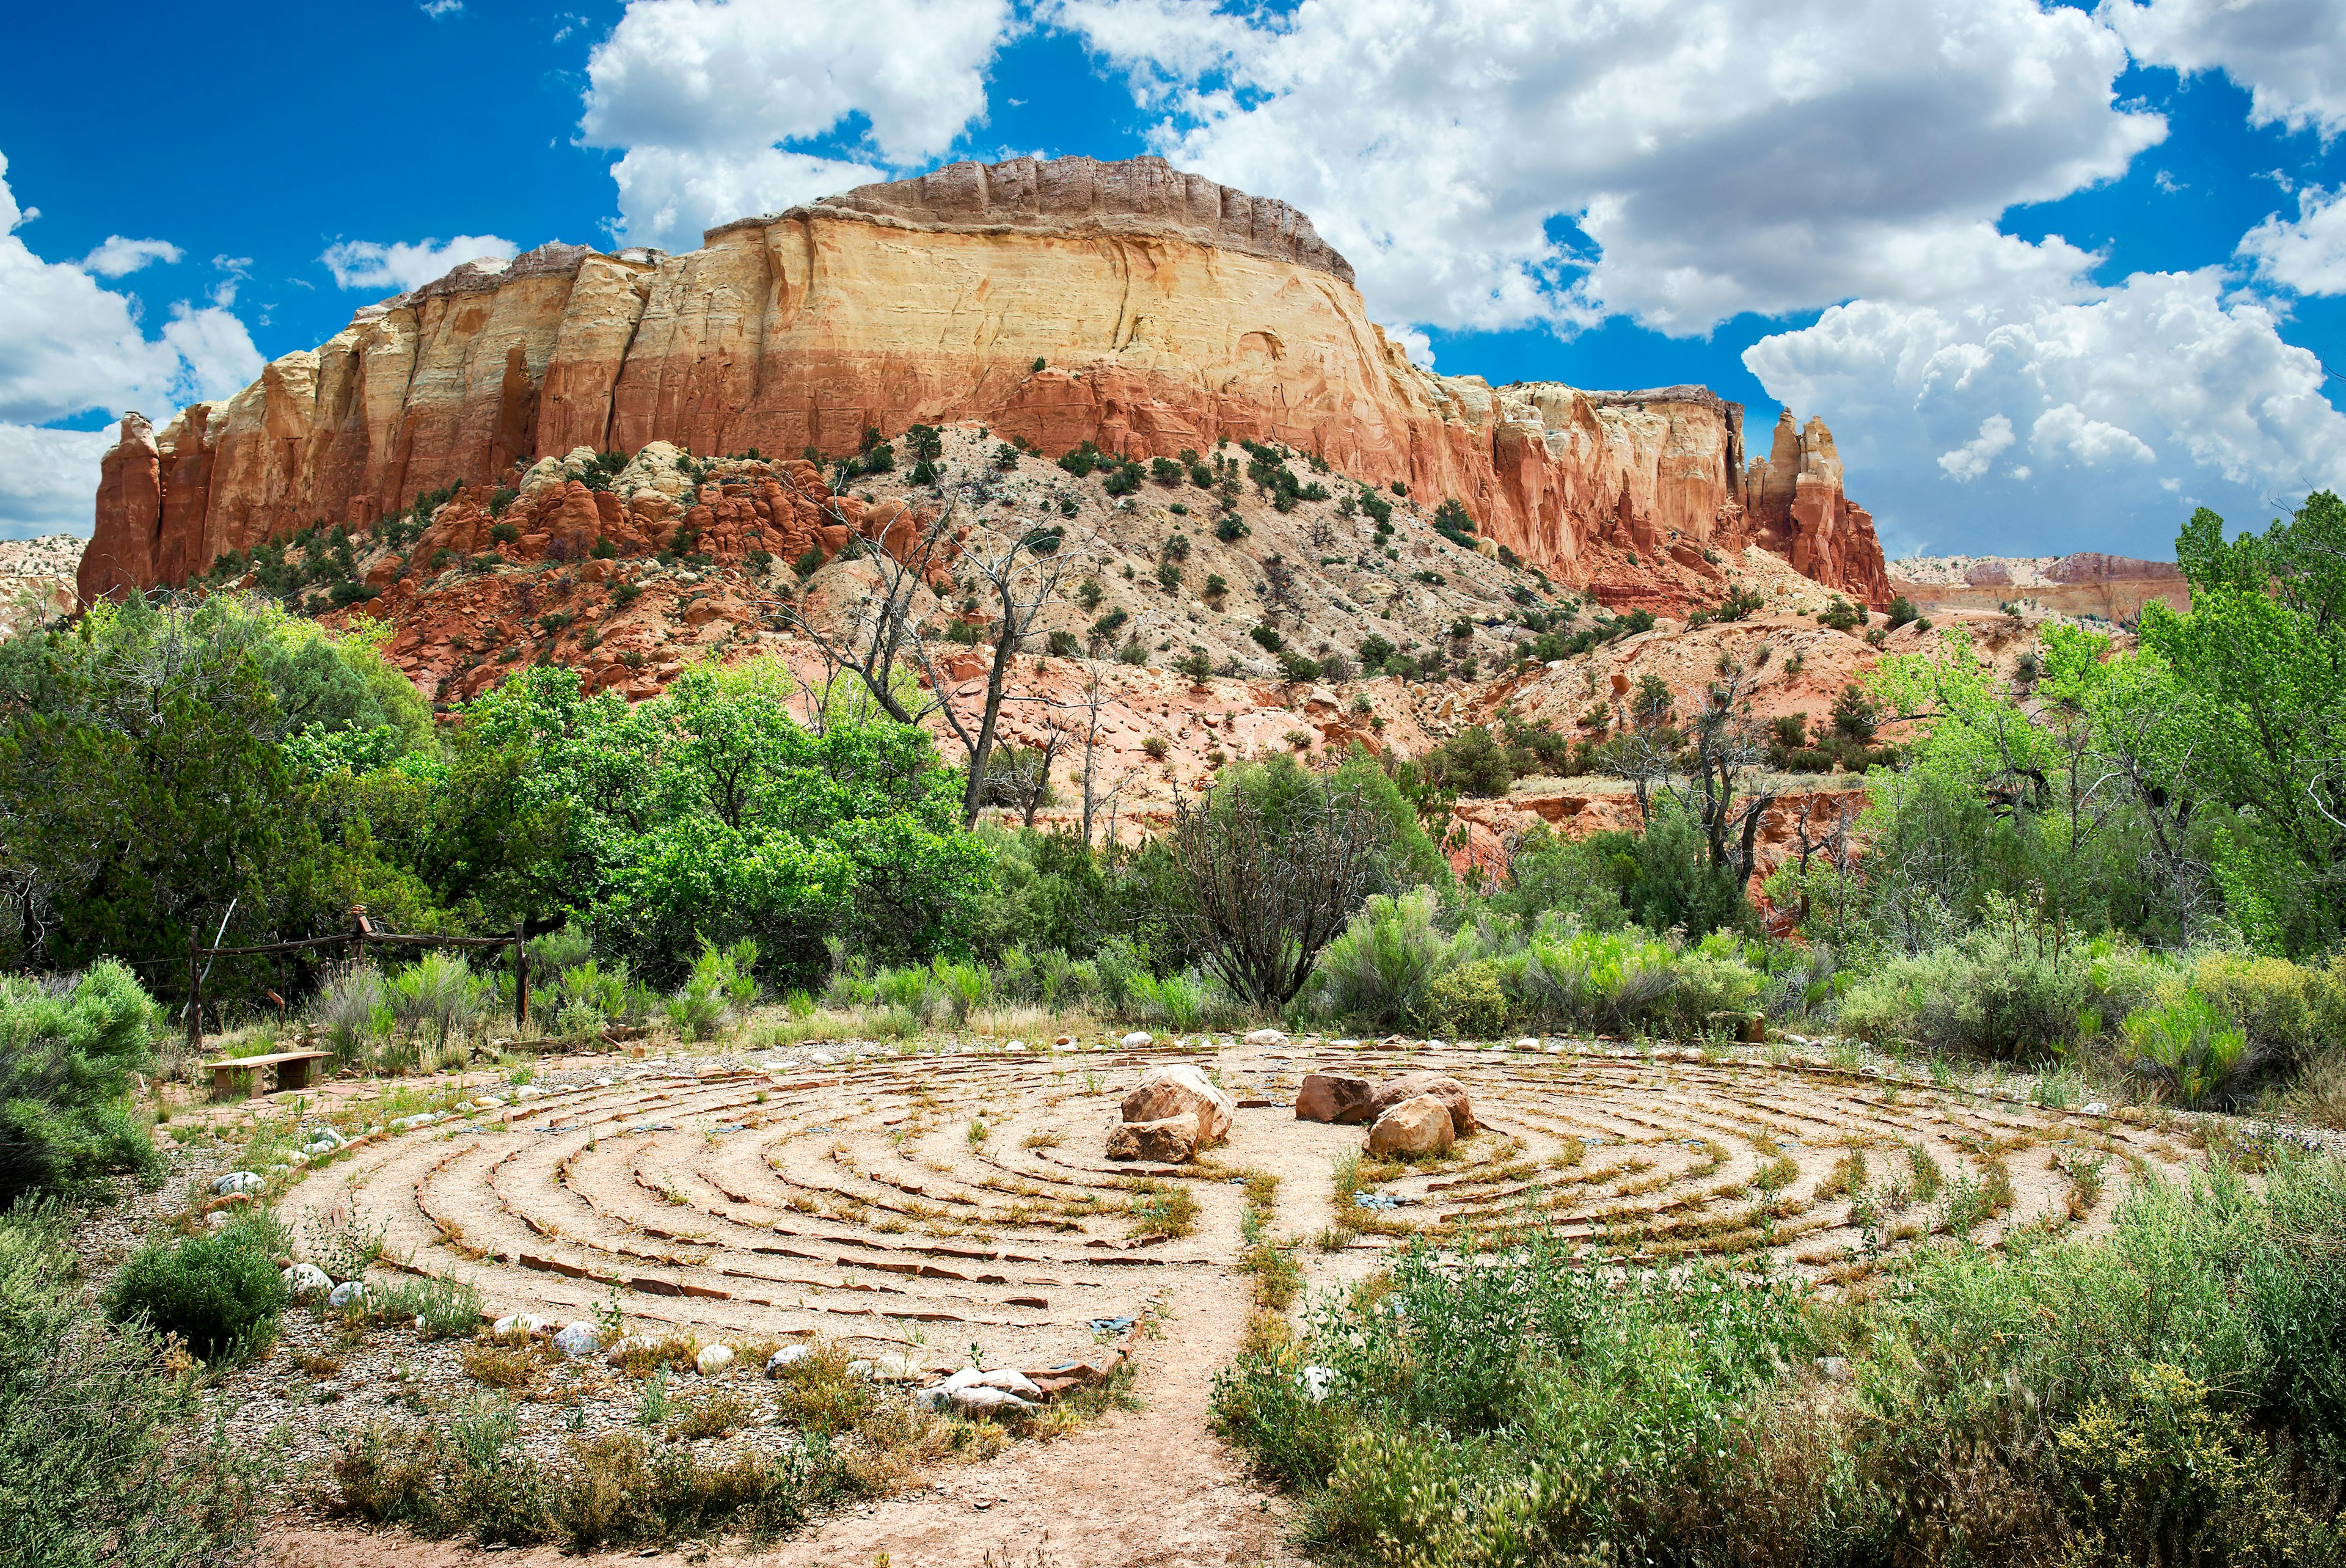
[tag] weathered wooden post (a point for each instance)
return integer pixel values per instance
(195, 997)
(521, 973)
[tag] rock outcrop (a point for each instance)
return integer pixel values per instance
(1062, 301)
(2090, 584)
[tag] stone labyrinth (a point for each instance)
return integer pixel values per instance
(951, 1197)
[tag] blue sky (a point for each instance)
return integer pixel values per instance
(2054, 274)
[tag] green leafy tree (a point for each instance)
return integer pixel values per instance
(2259, 664)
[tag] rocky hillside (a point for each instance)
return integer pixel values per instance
(37, 578)
(1125, 304)
(2086, 586)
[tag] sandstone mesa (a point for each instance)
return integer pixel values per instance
(1167, 312)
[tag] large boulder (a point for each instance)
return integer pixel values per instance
(1441, 1086)
(1414, 1128)
(1334, 1098)
(1168, 1091)
(1169, 1141)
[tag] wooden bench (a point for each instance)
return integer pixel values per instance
(292, 1070)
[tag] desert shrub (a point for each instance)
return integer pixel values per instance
(1521, 1412)
(1177, 1001)
(2186, 1045)
(351, 1008)
(66, 1056)
(1988, 994)
(2206, 1310)
(470, 1476)
(1380, 968)
(2156, 1475)
(2153, 1395)
(220, 1293)
(1618, 982)
(2291, 1013)
(1470, 1001)
(438, 997)
(106, 1463)
(1675, 885)
(723, 984)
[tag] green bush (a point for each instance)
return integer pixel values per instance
(1382, 966)
(106, 1463)
(65, 1063)
(470, 1476)
(2185, 1043)
(1469, 1002)
(2123, 1398)
(722, 985)
(220, 1293)
(1992, 995)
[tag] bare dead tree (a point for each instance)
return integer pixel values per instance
(1099, 794)
(1703, 765)
(877, 635)
(1728, 747)
(1262, 898)
(1020, 777)
(891, 628)
(1023, 574)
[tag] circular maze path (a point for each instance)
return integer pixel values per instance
(951, 1198)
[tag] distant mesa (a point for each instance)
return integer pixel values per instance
(2087, 583)
(1168, 312)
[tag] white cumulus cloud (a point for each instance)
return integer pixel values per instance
(2291, 55)
(2307, 253)
(1516, 161)
(704, 96)
(403, 266)
(48, 480)
(119, 258)
(2140, 400)
(1977, 455)
(69, 346)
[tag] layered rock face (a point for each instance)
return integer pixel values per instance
(2109, 587)
(1165, 312)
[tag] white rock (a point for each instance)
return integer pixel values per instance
(1138, 1037)
(1267, 1037)
(1316, 1381)
(237, 1181)
(786, 1357)
(216, 1221)
(1168, 1091)
(346, 1294)
(489, 1102)
(529, 1091)
(578, 1341)
(986, 1400)
(517, 1323)
(1016, 1045)
(1348, 1044)
(306, 1281)
(713, 1360)
(2095, 1108)
(1527, 1043)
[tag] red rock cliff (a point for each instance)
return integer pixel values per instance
(1165, 312)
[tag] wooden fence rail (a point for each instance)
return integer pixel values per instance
(356, 943)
